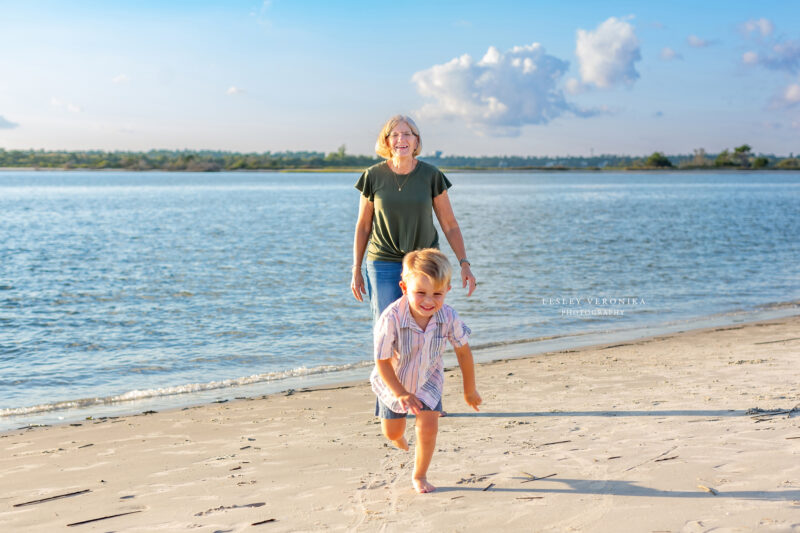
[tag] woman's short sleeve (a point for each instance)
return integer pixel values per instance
(364, 184)
(439, 183)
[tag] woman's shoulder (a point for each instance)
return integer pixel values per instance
(430, 173)
(427, 167)
(377, 167)
(371, 178)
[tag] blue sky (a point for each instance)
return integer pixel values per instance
(480, 78)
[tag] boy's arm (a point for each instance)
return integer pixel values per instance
(471, 396)
(389, 377)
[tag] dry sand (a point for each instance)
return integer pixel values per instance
(652, 435)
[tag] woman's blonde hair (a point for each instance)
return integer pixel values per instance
(429, 262)
(382, 144)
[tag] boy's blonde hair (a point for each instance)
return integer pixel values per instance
(382, 144)
(429, 262)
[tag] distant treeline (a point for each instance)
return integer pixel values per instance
(175, 160)
(213, 161)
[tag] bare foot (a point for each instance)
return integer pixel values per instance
(401, 443)
(422, 486)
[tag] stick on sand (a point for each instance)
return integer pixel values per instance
(101, 518)
(51, 498)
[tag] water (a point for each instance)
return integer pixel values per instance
(118, 286)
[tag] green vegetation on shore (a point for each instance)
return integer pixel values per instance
(213, 161)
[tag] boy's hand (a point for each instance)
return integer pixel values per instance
(473, 399)
(410, 402)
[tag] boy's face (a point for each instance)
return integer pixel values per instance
(424, 297)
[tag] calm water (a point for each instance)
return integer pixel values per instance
(127, 285)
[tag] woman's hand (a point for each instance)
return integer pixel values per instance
(473, 399)
(467, 278)
(357, 284)
(363, 229)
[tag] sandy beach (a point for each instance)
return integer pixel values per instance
(686, 432)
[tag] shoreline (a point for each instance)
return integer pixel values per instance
(688, 431)
(474, 170)
(138, 401)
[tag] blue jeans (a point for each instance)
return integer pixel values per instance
(383, 285)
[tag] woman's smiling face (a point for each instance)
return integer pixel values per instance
(402, 140)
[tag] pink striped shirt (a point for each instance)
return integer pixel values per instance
(416, 355)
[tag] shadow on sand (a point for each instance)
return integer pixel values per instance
(629, 488)
(522, 414)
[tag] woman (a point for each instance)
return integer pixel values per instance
(394, 215)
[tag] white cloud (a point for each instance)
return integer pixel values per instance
(72, 108)
(791, 95)
(750, 58)
(607, 55)
(574, 86)
(788, 97)
(260, 14)
(780, 54)
(233, 90)
(498, 94)
(668, 54)
(6, 124)
(122, 78)
(696, 42)
(783, 56)
(762, 26)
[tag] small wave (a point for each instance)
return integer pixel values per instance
(779, 305)
(729, 314)
(180, 389)
(530, 340)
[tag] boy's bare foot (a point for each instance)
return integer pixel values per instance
(422, 486)
(401, 443)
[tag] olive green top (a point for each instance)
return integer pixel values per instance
(402, 220)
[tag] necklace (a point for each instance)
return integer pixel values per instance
(397, 181)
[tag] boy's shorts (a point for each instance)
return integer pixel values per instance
(384, 412)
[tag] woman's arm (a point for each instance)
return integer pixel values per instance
(447, 220)
(363, 229)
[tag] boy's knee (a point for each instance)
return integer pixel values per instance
(393, 434)
(428, 423)
(395, 429)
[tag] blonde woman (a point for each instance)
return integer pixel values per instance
(395, 216)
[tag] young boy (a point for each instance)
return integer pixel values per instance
(410, 337)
